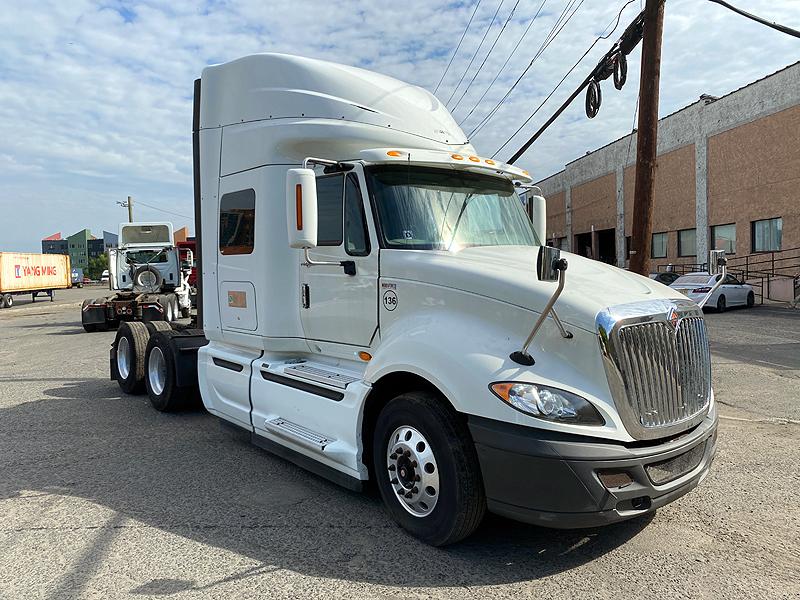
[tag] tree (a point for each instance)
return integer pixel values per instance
(97, 265)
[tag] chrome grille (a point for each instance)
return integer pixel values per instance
(658, 364)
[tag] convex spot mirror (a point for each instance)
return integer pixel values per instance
(716, 260)
(549, 263)
(301, 208)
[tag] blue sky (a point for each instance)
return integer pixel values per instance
(95, 97)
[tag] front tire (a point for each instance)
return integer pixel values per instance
(427, 469)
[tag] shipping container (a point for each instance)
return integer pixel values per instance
(22, 273)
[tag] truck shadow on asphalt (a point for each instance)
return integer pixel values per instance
(183, 474)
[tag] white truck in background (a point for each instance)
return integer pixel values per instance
(148, 279)
(376, 306)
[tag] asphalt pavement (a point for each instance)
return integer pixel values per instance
(103, 497)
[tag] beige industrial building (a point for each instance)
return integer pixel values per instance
(728, 177)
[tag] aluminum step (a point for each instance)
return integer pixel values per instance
(318, 374)
(297, 433)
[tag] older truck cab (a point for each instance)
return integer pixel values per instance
(377, 306)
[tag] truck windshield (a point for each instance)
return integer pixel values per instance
(146, 256)
(422, 208)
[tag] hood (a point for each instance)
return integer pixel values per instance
(508, 274)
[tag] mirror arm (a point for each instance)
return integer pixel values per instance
(564, 333)
(521, 356)
(310, 160)
(717, 285)
(349, 266)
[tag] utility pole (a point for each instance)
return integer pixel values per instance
(129, 204)
(646, 138)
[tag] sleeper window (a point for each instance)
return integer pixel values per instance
(355, 227)
(237, 220)
(329, 210)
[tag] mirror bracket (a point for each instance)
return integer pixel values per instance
(717, 263)
(549, 263)
(349, 266)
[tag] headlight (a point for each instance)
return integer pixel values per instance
(548, 403)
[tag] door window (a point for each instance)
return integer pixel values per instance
(329, 210)
(356, 242)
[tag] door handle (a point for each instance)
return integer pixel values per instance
(305, 295)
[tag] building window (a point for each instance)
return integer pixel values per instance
(766, 235)
(330, 192)
(237, 222)
(687, 242)
(659, 245)
(723, 237)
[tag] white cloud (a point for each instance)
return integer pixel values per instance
(95, 99)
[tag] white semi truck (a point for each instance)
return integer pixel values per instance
(149, 281)
(376, 306)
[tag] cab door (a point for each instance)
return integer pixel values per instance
(337, 307)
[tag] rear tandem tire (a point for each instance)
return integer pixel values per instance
(160, 380)
(129, 350)
(9, 300)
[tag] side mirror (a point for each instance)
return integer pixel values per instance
(301, 208)
(549, 263)
(539, 217)
(716, 260)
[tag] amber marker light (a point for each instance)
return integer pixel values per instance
(474, 159)
(365, 356)
(456, 157)
(298, 198)
(394, 153)
(489, 161)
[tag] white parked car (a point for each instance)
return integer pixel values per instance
(104, 277)
(731, 293)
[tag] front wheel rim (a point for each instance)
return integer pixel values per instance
(123, 357)
(413, 471)
(157, 371)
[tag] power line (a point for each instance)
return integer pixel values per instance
(557, 28)
(514, 51)
(572, 68)
(772, 24)
(169, 212)
(478, 49)
(612, 63)
(480, 67)
(463, 35)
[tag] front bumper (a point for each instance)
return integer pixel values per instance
(553, 479)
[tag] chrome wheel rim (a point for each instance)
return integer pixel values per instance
(413, 472)
(123, 357)
(157, 371)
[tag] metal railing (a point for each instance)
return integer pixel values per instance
(757, 269)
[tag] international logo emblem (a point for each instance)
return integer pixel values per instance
(673, 318)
